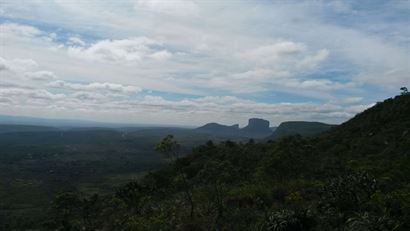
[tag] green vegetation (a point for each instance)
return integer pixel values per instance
(37, 162)
(299, 128)
(352, 177)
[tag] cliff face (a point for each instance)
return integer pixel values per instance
(256, 128)
(256, 125)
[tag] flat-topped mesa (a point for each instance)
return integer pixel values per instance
(256, 128)
(256, 125)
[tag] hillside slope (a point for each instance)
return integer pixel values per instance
(353, 177)
(385, 127)
(303, 128)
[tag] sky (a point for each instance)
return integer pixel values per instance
(189, 62)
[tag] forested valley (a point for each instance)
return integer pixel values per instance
(354, 176)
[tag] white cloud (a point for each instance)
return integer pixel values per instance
(75, 41)
(19, 30)
(279, 65)
(260, 74)
(174, 7)
(224, 109)
(17, 65)
(352, 100)
(83, 95)
(161, 55)
(319, 84)
(271, 54)
(40, 75)
(314, 60)
(28, 95)
(23, 64)
(206, 48)
(3, 64)
(26, 70)
(237, 110)
(123, 50)
(96, 86)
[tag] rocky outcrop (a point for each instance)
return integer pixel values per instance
(256, 128)
(259, 126)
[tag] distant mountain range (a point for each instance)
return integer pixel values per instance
(259, 128)
(66, 123)
(219, 128)
(256, 128)
(6, 128)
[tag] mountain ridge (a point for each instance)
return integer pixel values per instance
(351, 177)
(304, 128)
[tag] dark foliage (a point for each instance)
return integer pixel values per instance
(353, 177)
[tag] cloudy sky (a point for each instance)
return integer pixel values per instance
(188, 62)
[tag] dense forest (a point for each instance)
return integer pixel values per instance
(38, 162)
(355, 176)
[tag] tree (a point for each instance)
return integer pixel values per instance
(344, 196)
(67, 207)
(171, 149)
(216, 175)
(404, 91)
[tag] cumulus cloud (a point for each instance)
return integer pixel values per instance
(161, 55)
(260, 74)
(122, 50)
(75, 41)
(19, 30)
(83, 95)
(352, 100)
(24, 69)
(40, 75)
(262, 50)
(96, 86)
(286, 55)
(26, 94)
(193, 111)
(3, 65)
(175, 7)
(273, 53)
(18, 65)
(314, 60)
(279, 65)
(318, 84)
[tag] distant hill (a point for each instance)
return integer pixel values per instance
(303, 128)
(6, 128)
(383, 129)
(64, 123)
(219, 128)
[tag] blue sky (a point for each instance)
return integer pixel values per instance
(189, 62)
